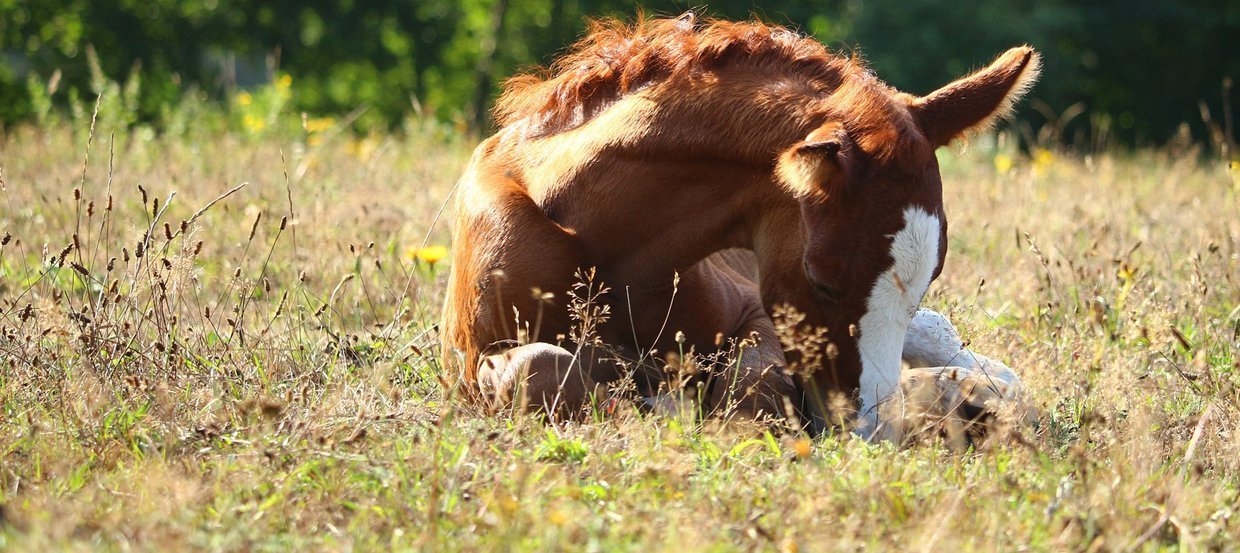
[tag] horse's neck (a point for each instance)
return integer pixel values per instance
(658, 181)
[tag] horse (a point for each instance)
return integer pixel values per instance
(711, 174)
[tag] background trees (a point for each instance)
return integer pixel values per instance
(1126, 70)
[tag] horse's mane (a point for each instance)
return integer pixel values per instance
(615, 58)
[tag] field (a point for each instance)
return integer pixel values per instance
(221, 341)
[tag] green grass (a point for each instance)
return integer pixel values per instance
(280, 389)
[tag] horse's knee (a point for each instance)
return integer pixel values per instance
(931, 340)
(752, 393)
(541, 376)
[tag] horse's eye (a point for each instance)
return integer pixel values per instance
(824, 291)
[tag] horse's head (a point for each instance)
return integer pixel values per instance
(871, 205)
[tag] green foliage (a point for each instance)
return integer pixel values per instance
(1138, 69)
(562, 450)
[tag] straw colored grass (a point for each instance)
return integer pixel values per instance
(267, 376)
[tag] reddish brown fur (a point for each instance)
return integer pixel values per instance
(654, 147)
(615, 58)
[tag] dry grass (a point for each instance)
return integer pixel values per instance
(276, 386)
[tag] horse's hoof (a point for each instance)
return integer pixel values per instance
(964, 404)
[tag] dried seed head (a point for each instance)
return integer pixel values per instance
(111, 264)
(6, 239)
(167, 231)
(280, 306)
(90, 209)
(198, 248)
(77, 194)
(139, 249)
(237, 273)
(283, 222)
(254, 229)
(125, 254)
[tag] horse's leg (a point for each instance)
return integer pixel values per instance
(948, 383)
(509, 261)
(754, 385)
(714, 300)
(538, 376)
(932, 341)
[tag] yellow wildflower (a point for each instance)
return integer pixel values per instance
(244, 99)
(429, 255)
(254, 123)
(319, 124)
(1003, 163)
(802, 447)
(1126, 273)
(1043, 158)
(506, 503)
(284, 86)
(557, 517)
(362, 149)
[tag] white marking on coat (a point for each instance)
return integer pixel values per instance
(891, 304)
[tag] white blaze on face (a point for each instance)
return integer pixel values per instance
(892, 302)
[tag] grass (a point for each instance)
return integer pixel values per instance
(266, 376)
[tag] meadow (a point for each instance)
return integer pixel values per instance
(223, 339)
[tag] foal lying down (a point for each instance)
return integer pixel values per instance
(653, 150)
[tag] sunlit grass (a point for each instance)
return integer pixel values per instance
(267, 376)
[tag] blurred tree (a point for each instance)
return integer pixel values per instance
(1138, 68)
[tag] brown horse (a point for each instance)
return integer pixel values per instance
(664, 149)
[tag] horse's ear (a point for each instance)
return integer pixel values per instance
(813, 167)
(977, 101)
